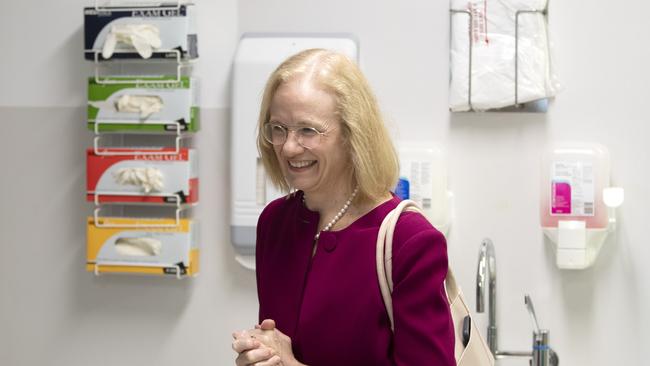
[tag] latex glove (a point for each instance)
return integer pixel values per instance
(143, 37)
(150, 179)
(146, 105)
(138, 247)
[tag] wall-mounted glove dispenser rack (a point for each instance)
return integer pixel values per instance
(140, 32)
(141, 105)
(506, 67)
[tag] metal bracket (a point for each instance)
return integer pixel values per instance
(517, 105)
(134, 7)
(96, 215)
(108, 81)
(108, 152)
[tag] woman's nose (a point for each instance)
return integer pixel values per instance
(292, 145)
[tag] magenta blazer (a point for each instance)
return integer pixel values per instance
(331, 306)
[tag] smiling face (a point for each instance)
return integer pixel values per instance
(325, 168)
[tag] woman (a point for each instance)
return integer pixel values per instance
(321, 137)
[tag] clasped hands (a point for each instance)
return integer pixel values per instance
(264, 345)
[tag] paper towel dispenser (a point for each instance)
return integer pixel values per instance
(256, 57)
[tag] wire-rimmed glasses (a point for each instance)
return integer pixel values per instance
(277, 134)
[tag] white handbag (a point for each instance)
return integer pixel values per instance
(471, 349)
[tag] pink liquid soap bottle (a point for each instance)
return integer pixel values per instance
(574, 176)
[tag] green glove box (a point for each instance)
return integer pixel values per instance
(143, 104)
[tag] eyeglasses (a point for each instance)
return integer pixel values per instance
(307, 137)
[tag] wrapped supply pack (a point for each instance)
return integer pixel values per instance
(499, 63)
(142, 248)
(140, 32)
(150, 104)
(141, 177)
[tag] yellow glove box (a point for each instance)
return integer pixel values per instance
(139, 245)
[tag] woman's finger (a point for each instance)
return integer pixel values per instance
(238, 334)
(273, 361)
(267, 324)
(254, 356)
(243, 344)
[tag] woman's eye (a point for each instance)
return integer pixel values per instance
(308, 132)
(279, 130)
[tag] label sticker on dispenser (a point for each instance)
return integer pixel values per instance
(572, 188)
(561, 198)
(416, 182)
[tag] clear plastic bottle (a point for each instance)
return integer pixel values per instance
(573, 178)
(423, 179)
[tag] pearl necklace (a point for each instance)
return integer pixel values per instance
(338, 215)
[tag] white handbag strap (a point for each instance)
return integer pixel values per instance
(384, 257)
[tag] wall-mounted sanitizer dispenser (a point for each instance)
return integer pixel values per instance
(423, 179)
(577, 209)
(257, 57)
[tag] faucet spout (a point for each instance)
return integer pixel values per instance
(486, 276)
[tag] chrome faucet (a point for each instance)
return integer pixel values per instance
(486, 275)
(540, 337)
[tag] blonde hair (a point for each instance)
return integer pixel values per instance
(373, 157)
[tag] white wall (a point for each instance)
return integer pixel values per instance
(54, 313)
